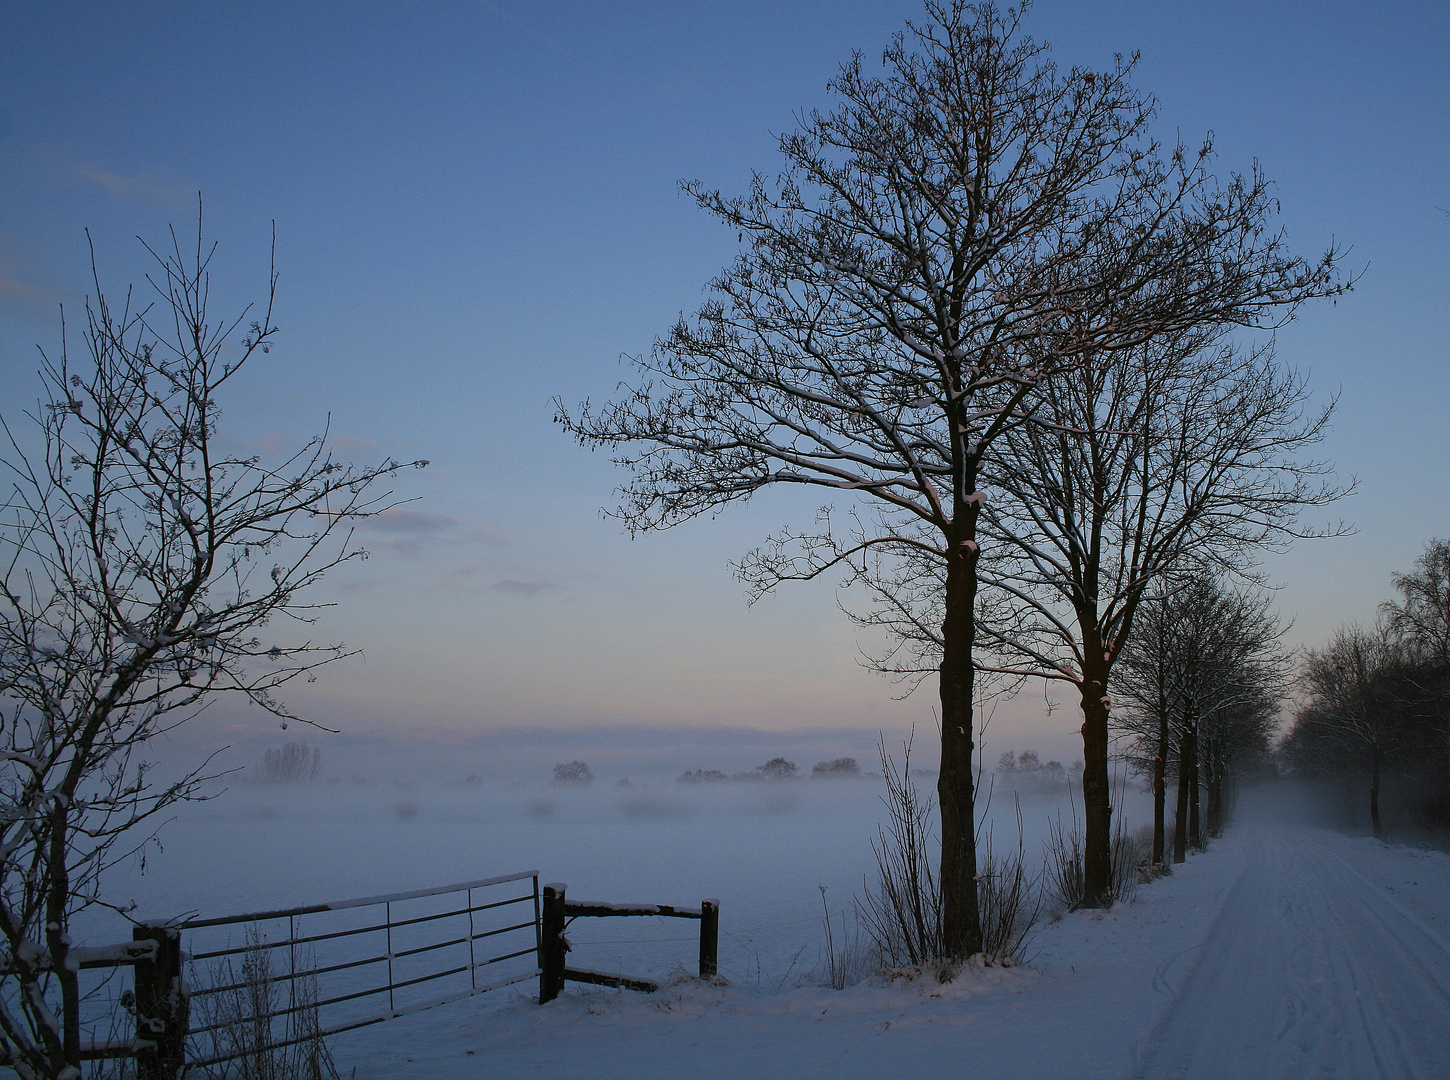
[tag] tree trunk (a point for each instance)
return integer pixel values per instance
(1180, 818)
(1214, 808)
(1160, 784)
(961, 917)
(64, 1046)
(1096, 788)
(1195, 826)
(1374, 795)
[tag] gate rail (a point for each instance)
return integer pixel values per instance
(390, 950)
(412, 943)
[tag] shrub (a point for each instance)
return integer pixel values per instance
(1008, 899)
(261, 1030)
(778, 768)
(836, 767)
(1063, 874)
(702, 776)
(1064, 868)
(902, 914)
(845, 958)
(572, 772)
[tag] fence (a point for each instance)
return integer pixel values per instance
(558, 912)
(341, 958)
(344, 965)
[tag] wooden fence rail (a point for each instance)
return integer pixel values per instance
(554, 945)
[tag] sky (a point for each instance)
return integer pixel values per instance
(477, 210)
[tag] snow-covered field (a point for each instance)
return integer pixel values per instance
(1282, 951)
(762, 849)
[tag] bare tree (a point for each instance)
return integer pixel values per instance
(145, 570)
(1234, 738)
(573, 772)
(1421, 622)
(1361, 685)
(1422, 617)
(1133, 468)
(779, 768)
(960, 229)
(1148, 689)
(294, 763)
(836, 767)
(1198, 681)
(1378, 708)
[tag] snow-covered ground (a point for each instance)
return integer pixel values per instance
(1282, 951)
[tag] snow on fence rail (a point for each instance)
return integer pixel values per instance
(558, 912)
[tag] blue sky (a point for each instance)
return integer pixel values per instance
(477, 210)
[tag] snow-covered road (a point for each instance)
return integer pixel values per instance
(1283, 951)
(1310, 969)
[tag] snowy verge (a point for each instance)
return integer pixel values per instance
(1104, 994)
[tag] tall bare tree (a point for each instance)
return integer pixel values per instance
(1182, 452)
(960, 229)
(145, 570)
(1421, 617)
(1147, 687)
(1132, 470)
(1235, 737)
(1199, 681)
(1361, 686)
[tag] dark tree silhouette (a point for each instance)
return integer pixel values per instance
(1198, 682)
(145, 570)
(959, 230)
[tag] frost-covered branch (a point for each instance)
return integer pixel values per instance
(143, 571)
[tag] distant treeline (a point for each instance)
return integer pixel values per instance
(777, 768)
(1030, 764)
(1375, 721)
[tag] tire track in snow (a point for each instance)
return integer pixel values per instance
(1309, 970)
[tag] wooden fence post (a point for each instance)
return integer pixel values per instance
(709, 937)
(552, 946)
(162, 1010)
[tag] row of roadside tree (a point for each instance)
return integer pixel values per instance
(1017, 344)
(1374, 722)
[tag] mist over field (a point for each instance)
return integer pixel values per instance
(739, 542)
(762, 847)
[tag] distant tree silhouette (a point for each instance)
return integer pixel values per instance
(294, 763)
(778, 768)
(572, 772)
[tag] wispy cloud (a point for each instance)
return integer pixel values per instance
(20, 290)
(411, 522)
(275, 443)
(521, 588)
(351, 444)
(32, 301)
(487, 534)
(133, 187)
